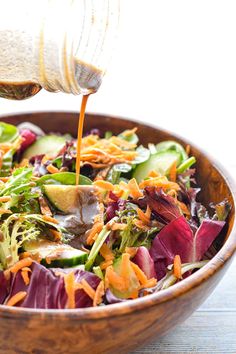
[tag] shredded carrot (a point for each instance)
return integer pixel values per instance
(148, 212)
(52, 169)
(144, 217)
(106, 252)
(105, 264)
(27, 269)
(129, 132)
(7, 274)
(118, 193)
(24, 163)
(187, 149)
(104, 185)
(108, 256)
(25, 262)
(1, 158)
(100, 291)
(161, 182)
(56, 234)
(16, 298)
(69, 280)
(25, 255)
(125, 262)
(34, 178)
(5, 147)
(87, 288)
(122, 143)
(184, 208)
(5, 199)
(97, 227)
(134, 190)
(173, 172)
(45, 159)
(131, 251)
(106, 277)
(134, 294)
(102, 174)
(4, 179)
(150, 283)
(139, 273)
(177, 267)
(153, 173)
(118, 226)
(50, 219)
(144, 281)
(114, 280)
(141, 225)
(5, 211)
(172, 193)
(25, 275)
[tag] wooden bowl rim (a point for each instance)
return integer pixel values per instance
(214, 265)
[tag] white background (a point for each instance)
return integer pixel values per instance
(175, 66)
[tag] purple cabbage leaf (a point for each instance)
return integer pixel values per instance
(177, 238)
(46, 289)
(145, 262)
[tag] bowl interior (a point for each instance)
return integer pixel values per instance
(215, 185)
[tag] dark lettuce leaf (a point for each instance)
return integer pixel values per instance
(161, 204)
(3, 288)
(178, 238)
(117, 204)
(93, 131)
(197, 211)
(222, 210)
(88, 171)
(68, 158)
(145, 262)
(39, 168)
(47, 291)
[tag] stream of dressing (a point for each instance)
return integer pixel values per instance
(79, 136)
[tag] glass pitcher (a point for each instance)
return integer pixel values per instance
(56, 45)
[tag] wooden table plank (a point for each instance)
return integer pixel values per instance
(224, 296)
(205, 332)
(211, 329)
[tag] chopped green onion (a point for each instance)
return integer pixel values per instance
(97, 270)
(186, 164)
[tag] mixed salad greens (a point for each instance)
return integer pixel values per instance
(132, 226)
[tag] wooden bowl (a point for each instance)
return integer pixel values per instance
(121, 327)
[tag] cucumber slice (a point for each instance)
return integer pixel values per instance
(160, 162)
(68, 199)
(56, 255)
(47, 144)
(170, 145)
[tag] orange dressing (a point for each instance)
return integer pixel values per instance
(79, 136)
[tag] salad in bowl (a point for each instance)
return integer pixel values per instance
(132, 227)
